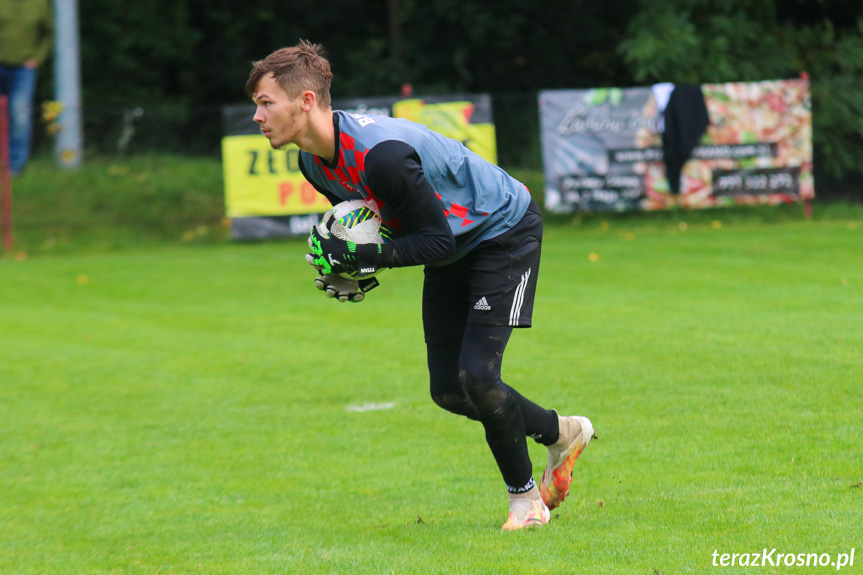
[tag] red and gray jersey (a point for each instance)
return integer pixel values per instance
(440, 198)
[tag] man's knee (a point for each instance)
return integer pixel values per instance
(455, 403)
(479, 374)
(486, 391)
(447, 401)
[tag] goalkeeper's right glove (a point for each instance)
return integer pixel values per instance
(331, 255)
(345, 289)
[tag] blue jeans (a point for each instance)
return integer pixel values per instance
(19, 84)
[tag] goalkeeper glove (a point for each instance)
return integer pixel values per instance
(332, 256)
(345, 289)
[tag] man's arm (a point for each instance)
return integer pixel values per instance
(394, 173)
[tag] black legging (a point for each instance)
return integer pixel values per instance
(465, 380)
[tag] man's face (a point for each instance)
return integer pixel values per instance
(280, 116)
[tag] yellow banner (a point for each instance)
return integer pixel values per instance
(260, 181)
(452, 119)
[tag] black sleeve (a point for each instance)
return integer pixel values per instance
(395, 176)
(329, 195)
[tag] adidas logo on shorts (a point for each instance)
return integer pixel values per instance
(482, 304)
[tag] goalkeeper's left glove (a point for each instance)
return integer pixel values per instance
(345, 289)
(333, 256)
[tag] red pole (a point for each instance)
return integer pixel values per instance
(5, 179)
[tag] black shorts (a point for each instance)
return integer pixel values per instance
(494, 284)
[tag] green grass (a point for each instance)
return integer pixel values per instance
(172, 403)
(175, 408)
(109, 204)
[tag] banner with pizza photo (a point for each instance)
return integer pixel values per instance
(694, 146)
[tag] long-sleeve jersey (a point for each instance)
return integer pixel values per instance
(440, 198)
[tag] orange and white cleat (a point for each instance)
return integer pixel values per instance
(575, 434)
(526, 510)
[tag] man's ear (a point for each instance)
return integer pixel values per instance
(310, 99)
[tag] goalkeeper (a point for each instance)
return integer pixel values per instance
(476, 230)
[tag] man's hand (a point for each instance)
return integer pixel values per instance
(344, 289)
(332, 256)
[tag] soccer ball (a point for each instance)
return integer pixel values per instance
(356, 222)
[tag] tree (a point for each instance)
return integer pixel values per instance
(181, 60)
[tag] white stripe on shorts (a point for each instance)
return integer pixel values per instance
(518, 300)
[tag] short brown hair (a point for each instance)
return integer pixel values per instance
(296, 69)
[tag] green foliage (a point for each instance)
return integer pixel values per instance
(695, 42)
(834, 57)
(660, 46)
(513, 46)
(111, 202)
(124, 62)
(180, 60)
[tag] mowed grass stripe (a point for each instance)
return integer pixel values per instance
(184, 410)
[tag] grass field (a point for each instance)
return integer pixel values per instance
(202, 409)
(172, 403)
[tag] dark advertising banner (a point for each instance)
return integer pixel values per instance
(265, 192)
(610, 148)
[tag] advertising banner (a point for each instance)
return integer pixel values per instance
(623, 149)
(265, 192)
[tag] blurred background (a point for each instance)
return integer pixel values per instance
(156, 74)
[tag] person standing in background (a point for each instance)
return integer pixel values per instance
(26, 39)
